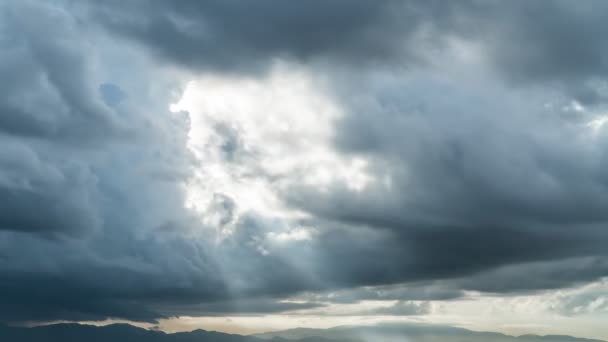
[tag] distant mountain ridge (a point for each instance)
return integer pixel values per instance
(414, 333)
(113, 332)
(125, 333)
(379, 333)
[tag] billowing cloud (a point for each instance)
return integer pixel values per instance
(160, 159)
(231, 36)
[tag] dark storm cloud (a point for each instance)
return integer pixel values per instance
(507, 280)
(537, 275)
(479, 175)
(29, 184)
(560, 43)
(84, 230)
(489, 179)
(445, 205)
(45, 95)
(465, 258)
(109, 276)
(46, 91)
(231, 35)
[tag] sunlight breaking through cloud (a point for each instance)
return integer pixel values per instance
(254, 137)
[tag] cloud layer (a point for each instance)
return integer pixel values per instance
(319, 151)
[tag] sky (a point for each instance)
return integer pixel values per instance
(247, 166)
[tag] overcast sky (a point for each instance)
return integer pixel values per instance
(260, 165)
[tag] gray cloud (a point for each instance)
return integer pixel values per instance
(50, 93)
(43, 195)
(246, 307)
(490, 174)
(92, 217)
(525, 42)
(403, 309)
(480, 177)
(229, 35)
(588, 300)
(539, 275)
(560, 43)
(407, 292)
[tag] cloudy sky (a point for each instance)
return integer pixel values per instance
(260, 165)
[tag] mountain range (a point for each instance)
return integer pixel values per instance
(379, 333)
